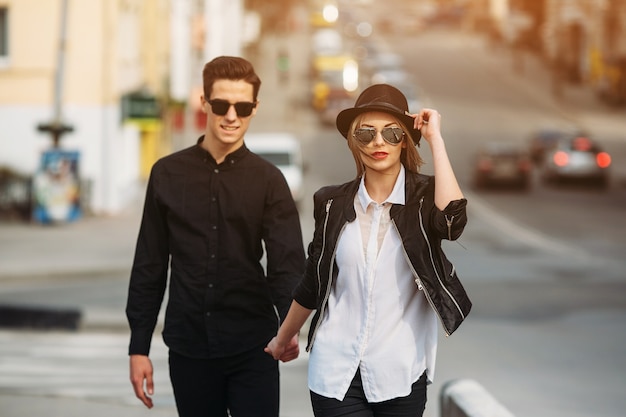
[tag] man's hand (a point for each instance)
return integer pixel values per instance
(274, 349)
(285, 353)
(140, 371)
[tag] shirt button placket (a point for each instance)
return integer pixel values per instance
(213, 223)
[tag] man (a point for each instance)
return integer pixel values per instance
(208, 211)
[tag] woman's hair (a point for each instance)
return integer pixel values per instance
(229, 68)
(409, 156)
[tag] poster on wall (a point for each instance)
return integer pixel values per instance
(56, 187)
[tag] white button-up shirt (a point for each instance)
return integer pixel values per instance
(377, 320)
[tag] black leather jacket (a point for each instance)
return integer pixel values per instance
(420, 224)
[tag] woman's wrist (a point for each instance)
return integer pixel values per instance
(282, 339)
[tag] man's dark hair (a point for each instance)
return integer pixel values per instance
(229, 68)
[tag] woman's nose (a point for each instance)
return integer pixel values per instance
(378, 138)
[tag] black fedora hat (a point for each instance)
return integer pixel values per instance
(379, 97)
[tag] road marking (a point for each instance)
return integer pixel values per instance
(522, 233)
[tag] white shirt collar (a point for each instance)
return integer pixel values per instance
(396, 196)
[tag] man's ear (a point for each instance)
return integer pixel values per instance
(203, 104)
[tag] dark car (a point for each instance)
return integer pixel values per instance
(577, 159)
(499, 164)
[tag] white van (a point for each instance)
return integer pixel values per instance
(283, 150)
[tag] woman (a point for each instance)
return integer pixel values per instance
(375, 273)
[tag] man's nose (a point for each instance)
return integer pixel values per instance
(231, 114)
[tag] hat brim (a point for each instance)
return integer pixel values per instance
(345, 118)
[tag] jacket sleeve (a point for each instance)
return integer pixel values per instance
(148, 278)
(450, 222)
(307, 291)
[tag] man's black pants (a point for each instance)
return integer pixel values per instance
(244, 385)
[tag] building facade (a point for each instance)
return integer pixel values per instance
(111, 72)
(72, 62)
(583, 41)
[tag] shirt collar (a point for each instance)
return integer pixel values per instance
(231, 157)
(396, 196)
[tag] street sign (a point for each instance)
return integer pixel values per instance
(140, 105)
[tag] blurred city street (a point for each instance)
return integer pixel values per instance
(547, 331)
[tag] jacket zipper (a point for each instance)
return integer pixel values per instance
(330, 275)
(449, 223)
(319, 261)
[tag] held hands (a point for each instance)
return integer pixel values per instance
(140, 371)
(284, 353)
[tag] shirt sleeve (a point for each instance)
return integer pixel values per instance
(148, 278)
(282, 235)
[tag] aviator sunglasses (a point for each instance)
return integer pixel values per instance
(220, 107)
(391, 135)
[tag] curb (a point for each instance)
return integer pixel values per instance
(70, 273)
(39, 318)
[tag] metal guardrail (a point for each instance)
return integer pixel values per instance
(467, 398)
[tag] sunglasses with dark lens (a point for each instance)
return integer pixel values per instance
(221, 107)
(391, 135)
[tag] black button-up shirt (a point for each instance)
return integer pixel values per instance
(207, 223)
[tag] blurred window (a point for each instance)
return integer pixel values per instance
(4, 34)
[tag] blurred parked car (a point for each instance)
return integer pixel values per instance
(502, 164)
(545, 138)
(326, 42)
(384, 67)
(577, 159)
(283, 150)
(336, 101)
(333, 75)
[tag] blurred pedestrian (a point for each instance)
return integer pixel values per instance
(376, 274)
(209, 211)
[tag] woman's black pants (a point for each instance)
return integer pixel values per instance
(355, 404)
